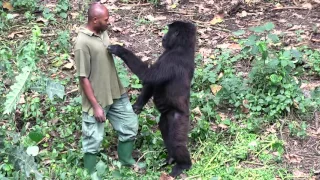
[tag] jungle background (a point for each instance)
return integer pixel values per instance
(254, 102)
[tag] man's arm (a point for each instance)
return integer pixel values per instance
(87, 88)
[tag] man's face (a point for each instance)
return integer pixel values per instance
(102, 21)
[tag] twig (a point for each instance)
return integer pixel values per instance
(72, 91)
(254, 163)
(208, 24)
(184, 13)
(144, 155)
(47, 35)
(316, 119)
(43, 139)
(134, 5)
(315, 40)
(289, 7)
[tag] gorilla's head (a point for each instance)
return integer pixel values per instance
(180, 34)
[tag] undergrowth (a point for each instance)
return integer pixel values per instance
(40, 132)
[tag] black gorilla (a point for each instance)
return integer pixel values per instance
(168, 80)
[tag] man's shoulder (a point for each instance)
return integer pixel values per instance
(81, 41)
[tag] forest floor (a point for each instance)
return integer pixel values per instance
(139, 26)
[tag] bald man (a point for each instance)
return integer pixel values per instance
(103, 96)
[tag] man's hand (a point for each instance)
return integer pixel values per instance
(99, 114)
(97, 109)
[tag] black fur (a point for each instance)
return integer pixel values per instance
(168, 80)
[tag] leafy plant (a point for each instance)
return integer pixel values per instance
(30, 5)
(273, 86)
(62, 8)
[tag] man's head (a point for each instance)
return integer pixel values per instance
(98, 17)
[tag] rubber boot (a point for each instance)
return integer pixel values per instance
(90, 161)
(125, 153)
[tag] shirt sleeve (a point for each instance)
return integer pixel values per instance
(83, 65)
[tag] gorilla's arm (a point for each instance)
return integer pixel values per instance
(143, 98)
(158, 73)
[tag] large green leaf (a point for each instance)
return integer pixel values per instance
(55, 88)
(35, 136)
(25, 162)
(268, 26)
(16, 90)
(101, 168)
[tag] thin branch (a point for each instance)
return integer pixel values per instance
(289, 7)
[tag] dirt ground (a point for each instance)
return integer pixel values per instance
(129, 26)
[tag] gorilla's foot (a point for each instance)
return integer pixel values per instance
(178, 169)
(169, 160)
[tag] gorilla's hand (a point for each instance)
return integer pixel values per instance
(137, 108)
(115, 49)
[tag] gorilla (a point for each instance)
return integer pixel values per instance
(168, 81)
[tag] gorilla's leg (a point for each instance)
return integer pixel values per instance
(178, 134)
(164, 128)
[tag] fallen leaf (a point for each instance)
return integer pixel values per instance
(197, 111)
(278, 5)
(11, 36)
(307, 5)
(229, 46)
(222, 126)
(173, 6)
(215, 88)
(235, 46)
(165, 176)
(7, 5)
(292, 158)
(271, 129)
(205, 52)
(214, 127)
(295, 104)
(46, 162)
(223, 116)
(68, 66)
(243, 14)
(216, 19)
(50, 5)
(74, 15)
(145, 58)
(169, 2)
(244, 108)
(117, 29)
(297, 174)
(41, 19)
(22, 100)
(212, 57)
(159, 18)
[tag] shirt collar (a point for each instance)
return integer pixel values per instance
(86, 31)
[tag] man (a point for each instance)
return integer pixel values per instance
(103, 95)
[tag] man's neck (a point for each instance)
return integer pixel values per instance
(92, 29)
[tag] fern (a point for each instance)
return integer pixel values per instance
(16, 90)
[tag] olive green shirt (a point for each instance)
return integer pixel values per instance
(96, 63)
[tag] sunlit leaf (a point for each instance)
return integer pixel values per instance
(16, 90)
(33, 150)
(55, 88)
